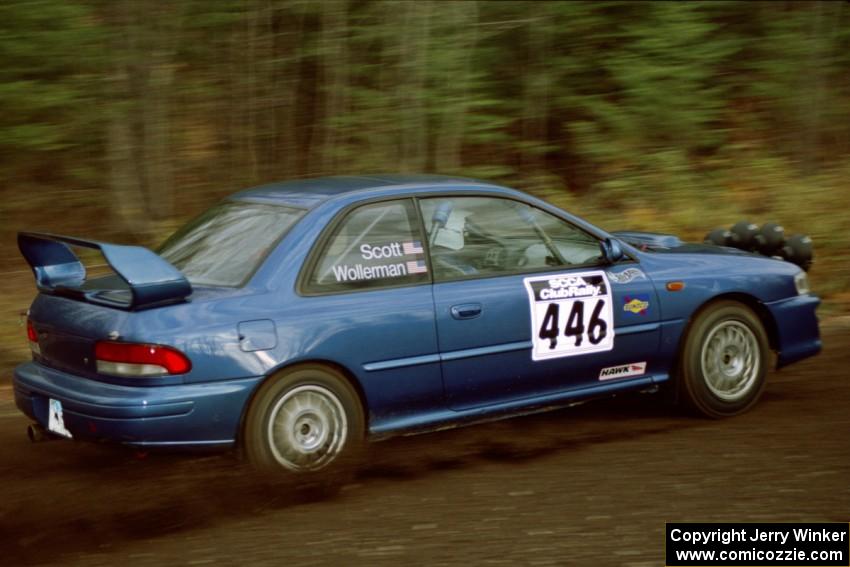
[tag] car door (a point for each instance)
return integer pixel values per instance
(525, 306)
(369, 307)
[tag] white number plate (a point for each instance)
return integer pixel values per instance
(571, 314)
(55, 420)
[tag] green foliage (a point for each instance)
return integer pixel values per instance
(47, 80)
(668, 115)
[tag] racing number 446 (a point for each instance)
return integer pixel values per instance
(596, 331)
(576, 307)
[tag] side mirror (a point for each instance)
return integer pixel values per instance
(612, 252)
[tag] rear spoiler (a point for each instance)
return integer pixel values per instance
(150, 279)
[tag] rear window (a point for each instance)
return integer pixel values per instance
(227, 243)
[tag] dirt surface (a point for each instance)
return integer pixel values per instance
(591, 485)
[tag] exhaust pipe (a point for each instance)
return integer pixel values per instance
(37, 433)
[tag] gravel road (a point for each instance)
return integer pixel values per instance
(585, 486)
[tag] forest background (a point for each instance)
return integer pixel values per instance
(119, 119)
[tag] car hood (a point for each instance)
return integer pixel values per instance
(669, 243)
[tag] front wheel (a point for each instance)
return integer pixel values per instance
(303, 421)
(723, 367)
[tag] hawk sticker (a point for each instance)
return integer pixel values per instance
(624, 371)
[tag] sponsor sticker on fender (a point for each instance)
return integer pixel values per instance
(626, 275)
(624, 371)
(636, 304)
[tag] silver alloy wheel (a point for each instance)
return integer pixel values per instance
(731, 360)
(307, 428)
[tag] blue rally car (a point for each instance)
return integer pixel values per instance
(298, 320)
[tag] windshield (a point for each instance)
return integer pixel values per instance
(225, 244)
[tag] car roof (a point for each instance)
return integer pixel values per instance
(308, 193)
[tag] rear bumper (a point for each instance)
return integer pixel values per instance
(798, 335)
(185, 415)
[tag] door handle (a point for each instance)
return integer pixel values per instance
(466, 311)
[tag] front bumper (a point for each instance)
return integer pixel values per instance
(184, 415)
(798, 335)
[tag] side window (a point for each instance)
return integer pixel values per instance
(374, 246)
(492, 236)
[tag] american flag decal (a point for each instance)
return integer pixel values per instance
(417, 267)
(414, 247)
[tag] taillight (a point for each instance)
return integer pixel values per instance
(32, 335)
(135, 359)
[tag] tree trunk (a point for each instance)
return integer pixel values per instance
(535, 112)
(286, 35)
(414, 65)
(335, 74)
(449, 143)
(126, 206)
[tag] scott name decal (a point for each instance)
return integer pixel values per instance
(391, 250)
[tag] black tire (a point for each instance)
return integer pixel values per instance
(319, 425)
(723, 364)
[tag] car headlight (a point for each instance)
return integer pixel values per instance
(801, 282)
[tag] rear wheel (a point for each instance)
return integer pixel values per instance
(305, 420)
(723, 366)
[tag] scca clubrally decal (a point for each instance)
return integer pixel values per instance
(571, 314)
